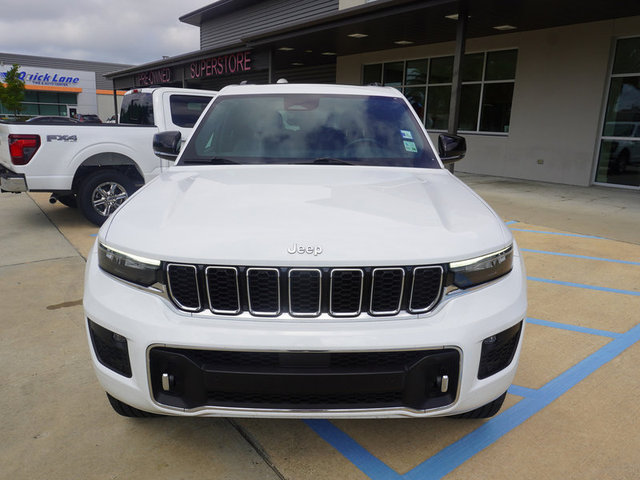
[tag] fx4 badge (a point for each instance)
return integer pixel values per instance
(302, 250)
(62, 138)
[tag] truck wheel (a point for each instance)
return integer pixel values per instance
(486, 411)
(102, 192)
(125, 410)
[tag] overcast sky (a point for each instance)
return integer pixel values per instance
(119, 31)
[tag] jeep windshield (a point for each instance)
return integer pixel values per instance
(310, 129)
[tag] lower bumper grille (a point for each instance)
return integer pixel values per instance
(198, 378)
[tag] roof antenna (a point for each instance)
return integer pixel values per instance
(282, 80)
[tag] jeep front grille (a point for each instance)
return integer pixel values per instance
(304, 292)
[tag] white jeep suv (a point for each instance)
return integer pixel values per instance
(307, 256)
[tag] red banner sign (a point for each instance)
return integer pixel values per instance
(232, 63)
(154, 77)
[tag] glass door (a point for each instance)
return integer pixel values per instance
(619, 155)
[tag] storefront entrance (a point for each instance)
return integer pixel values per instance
(619, 152)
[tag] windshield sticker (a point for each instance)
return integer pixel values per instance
(406, 134)
(410, 147)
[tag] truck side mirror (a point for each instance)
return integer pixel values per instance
(166, 145)
(451, 148)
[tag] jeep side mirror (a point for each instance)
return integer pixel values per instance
(167, 145)
(451, 148)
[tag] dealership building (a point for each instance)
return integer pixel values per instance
(62, 87)
(545, 90)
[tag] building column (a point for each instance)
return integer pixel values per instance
(456, 86)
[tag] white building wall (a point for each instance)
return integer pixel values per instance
(106, 107)
(560, 88)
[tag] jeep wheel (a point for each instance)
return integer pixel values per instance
(486, 411)
(125, 410)
(102, 192)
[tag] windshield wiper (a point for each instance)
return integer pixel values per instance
(210, 161)
(326, 161)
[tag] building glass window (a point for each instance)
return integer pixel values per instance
(393, 74)
(45, 103)
(372, 74)
(619, 153)
(488, 80)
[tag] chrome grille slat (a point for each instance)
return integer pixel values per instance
(305, 291)
(425, 288)
(263, 291)
(387, 286)
(183, 286)
(344, 280)
(223, 292)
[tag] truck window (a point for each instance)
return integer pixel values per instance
(186, 109)
(137, 109)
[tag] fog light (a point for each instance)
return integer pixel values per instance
(498, 351)
(110, 348)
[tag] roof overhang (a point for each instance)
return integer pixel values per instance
(391, 24)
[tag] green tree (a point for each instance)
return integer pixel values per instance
(12, 90)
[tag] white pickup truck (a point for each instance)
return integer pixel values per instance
(97, 166)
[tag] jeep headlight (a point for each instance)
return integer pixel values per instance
(475, 271)
(132, 268)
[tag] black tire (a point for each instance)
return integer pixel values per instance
(102, 192)
(125, 410)
(486, 411)
(68, 200)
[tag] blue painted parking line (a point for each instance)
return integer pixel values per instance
(353, 451)
(583, 285)
(93, 235)
(573, 328)
(557, 233)
(511, 222)
(522, 391)
(582, 257)
(451, 457)
(533, 400)
(459, 452)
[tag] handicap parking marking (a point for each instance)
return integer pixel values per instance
(533, 400)
(564, 234)
(581, 257)
(574, 328)
(454, 455)
(365, 461)
(584, 285)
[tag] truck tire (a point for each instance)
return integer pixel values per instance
(125, 410)
(102, 192)
(486, 411)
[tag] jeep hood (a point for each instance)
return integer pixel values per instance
(256, 215)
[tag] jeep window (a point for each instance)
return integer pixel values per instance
(186, 109)
(291, 128)
(137, 109)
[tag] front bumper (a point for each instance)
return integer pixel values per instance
(175, 366)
